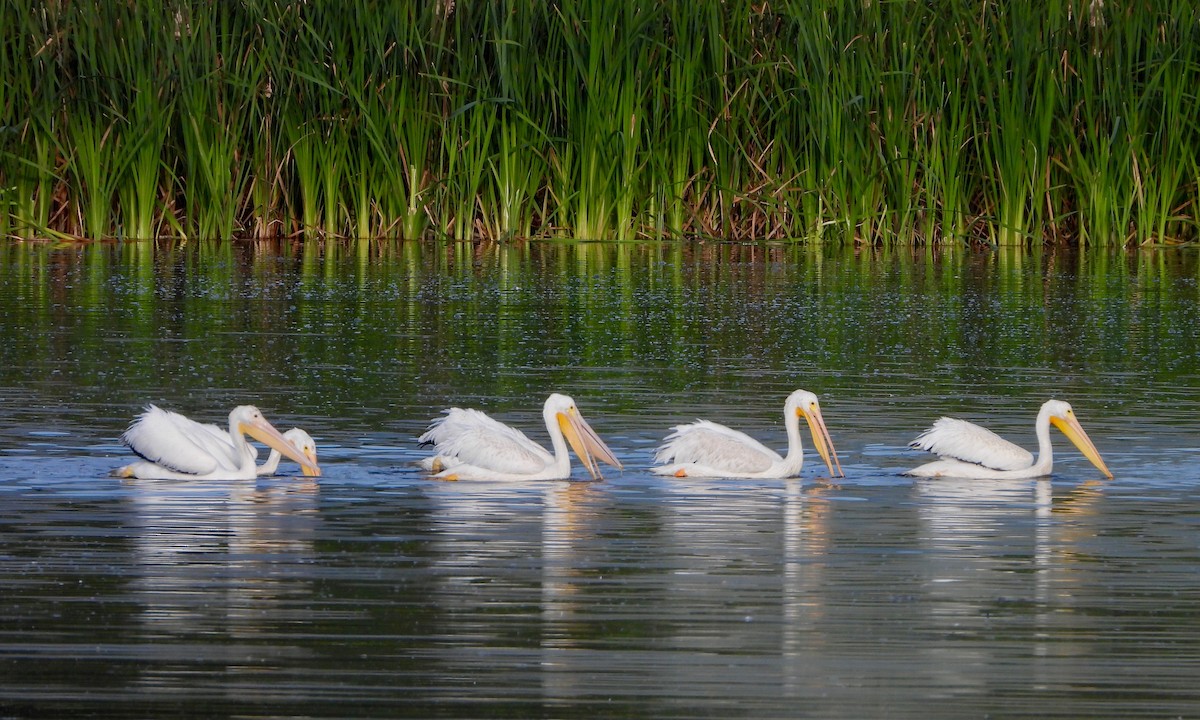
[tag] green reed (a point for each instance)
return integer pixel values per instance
(515, 173)
(596, 53)
(397, 114)
(875, 121)
(1164, 154)
(29, 135)
(674, 118)
(465, 145)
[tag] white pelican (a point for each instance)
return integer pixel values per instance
(472, 446)
(303, 442)
(708, 449)
(174, 447)
(969, 451)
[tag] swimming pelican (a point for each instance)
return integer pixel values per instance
(302, 442)
(708, 449)
(174, 447)
(472, 446)
(969, 451)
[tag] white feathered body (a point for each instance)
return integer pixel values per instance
(969, 443)
(175, 447)
(709, 449)
(967, 450)
(474, 445)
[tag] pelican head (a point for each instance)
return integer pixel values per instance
(248, 420)
(306, 445)
(803, 404)
(1063, 417)
(560, 411)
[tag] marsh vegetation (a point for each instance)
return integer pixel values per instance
(882, 122)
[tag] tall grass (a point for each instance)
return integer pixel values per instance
(877, 121)
(30, 137)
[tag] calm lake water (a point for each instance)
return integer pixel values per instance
(378, 592)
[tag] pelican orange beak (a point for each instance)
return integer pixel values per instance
(311, 454)
(1070, 427)
(821, 439)
(264, 432)
(585, 442)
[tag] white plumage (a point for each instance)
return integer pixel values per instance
(469, 445)
(968, 442)
(708, 449)
(970, 451)
(715, 445)
(175, 447)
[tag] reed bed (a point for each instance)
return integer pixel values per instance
(883, 122)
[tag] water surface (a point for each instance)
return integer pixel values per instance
(378, 592)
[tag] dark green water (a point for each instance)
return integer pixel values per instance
(377, 592)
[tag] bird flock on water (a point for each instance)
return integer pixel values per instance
(469, 445)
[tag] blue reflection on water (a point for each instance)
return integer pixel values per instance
(635, 595)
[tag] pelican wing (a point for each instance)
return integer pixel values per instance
(714, 445)
(172, 441)
(962, 440)
(473, 438)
